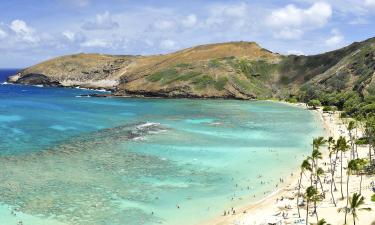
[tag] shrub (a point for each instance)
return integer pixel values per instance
(203, 81)
(183, 65)
(220, 83)
(329, 108)
(361, 141)
(214, 63)
(292, 100)
(166, 74)
(314, 103)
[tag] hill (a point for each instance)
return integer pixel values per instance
(241, 70)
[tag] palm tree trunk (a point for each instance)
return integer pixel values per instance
(353, 218)
(347, 197)
(321, 185)
(299, 192)
(356, 146)
(342, 193)
(332, 180)
(316, 174)
(351, 145)
(333, 173)
(307, 211)
(369, 152)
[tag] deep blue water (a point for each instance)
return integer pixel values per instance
(5, 73)
(114, 161)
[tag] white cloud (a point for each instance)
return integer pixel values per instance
(168, 44)
(233, 15)
(359, 21)
(79, 3)
(335, 40)
(74, 37)
(190, 21)
(82, 3)
(96, 43)
(290, 33)
(293, 20)
(164, 25)
(370, 3)
(23, 31)
(102, 22)
(295, 52)
(3, 34)
(69, 35)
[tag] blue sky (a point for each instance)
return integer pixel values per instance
(33, 31)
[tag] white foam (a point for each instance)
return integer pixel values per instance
(147, 124)
(138, 139)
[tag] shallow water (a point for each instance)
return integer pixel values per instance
(89, 161)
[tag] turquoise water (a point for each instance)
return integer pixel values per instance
(86, 161)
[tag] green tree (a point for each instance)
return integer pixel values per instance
(314, 103)
(322, 222)
(352, 166)
(356, 202)
(370, 133)
(350, 128)
(320, 172)
(305, 166)
(332, 151)
(312, 195)
(341, 146)
(359, 169)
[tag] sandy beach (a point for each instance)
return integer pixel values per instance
(280, 206)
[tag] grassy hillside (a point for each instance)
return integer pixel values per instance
(241, 70)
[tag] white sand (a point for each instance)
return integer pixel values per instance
(265, 210)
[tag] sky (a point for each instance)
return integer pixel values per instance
(32, 31)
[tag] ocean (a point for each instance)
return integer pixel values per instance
(67, 159)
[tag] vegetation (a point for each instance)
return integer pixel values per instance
(322, 222)
(214, 63)
(162, 75)
(312, 195)
(315, 103)
(357, 166)
(220, 83)
(356, 203)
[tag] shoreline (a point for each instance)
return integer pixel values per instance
(258, 211)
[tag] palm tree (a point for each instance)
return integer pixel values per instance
(352, 166)
(312, 195)
(356, 201)
(331, 151)
(359, 169)
(320, 172)
(322, 222)
(370, 133)
(341, 146)
(305, 166)
(316, 154)
(318, 142)
(351, 126)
